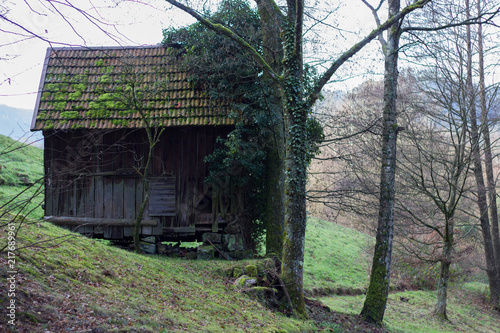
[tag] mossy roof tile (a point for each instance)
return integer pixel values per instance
(78, 79)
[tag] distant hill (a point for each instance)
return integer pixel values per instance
(16, 123)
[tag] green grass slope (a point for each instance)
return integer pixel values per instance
(21, 171)
(68, 282)
(336, 258)
(411, 311)
(339, 258)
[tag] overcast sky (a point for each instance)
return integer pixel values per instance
(114, 22)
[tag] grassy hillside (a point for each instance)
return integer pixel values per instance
(337, 258)
(67, 282)
(80, 284)
(411, 311)
(21, 171)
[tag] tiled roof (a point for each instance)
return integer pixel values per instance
(130, 87)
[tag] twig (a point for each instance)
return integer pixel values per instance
(222, 254)
(276, 275)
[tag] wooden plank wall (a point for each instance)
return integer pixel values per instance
(91, 174)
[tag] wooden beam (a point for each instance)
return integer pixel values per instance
(68, 220)
(179, 229)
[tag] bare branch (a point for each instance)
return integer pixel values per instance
(377, 21)
(470, 21)
(356, 48)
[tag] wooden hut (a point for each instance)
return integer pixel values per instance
(93, 106)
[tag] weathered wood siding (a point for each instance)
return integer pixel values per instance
(94, 174)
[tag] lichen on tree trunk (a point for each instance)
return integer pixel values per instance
(444, 276)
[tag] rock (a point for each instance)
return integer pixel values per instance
(245, 281)
(205, 252)
(264, 294)
(161, 248)
(149, 239)
(240, 255)
(148, 247)
(263, 289)
(237, 272)
(250, 270)
(212, 237)
(232, 242)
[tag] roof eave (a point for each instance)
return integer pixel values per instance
(40, 88)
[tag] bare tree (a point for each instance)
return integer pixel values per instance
(378, 289)
(492, 268)
(488, 157)
(382, 258)
(435, 161)
(134, 92)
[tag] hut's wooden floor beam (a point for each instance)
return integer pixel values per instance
(92, 221)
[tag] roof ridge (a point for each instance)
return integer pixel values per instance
(103, 47)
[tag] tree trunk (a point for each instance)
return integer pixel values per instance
(153, 135)
(270, 15)
(295, 210)
(292, 266)
(488, 161)
(478, 173)
(444, 276)
(275, 202)
(378, 290)
(140, 213)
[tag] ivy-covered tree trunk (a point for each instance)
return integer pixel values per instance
(292, 267)
(378, 290)
(270, 15)
(491, 267)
